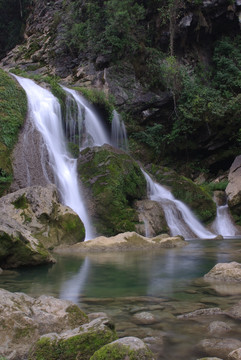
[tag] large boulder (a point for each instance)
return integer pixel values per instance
(24, 319)
(187, 191)
(233, 190)
(152, 219)
(225, 272)
(218, 347)
(31, 221)
(113, 181)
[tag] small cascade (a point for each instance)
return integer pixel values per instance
(179, 217)
(45, 113)
(83, 125)
(118, 132)
(223, 224)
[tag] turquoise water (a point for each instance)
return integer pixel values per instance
(166, 283)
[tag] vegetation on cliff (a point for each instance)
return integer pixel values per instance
(13, 114)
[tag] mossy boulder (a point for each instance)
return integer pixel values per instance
(81, 343)
(130, 348)
(13, 110)
(113, 181)
(31, 221)
(187, 191)
(24, 319)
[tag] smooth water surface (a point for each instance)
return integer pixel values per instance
(165, 283)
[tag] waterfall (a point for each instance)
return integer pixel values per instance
(179, 217)
(118, 132)
(45, 112)
(223, 224)
(83, 125)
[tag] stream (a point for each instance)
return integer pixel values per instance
(165, 284)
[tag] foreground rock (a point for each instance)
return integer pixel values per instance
(124, 242)
(123, 349)
(80, 343)
(235, 355)
(225, 272)
(23, 319)
(218, 347)
(113, 181)
(31, 221)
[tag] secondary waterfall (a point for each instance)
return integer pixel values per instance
(223, 224)
(83, 125)
(179, 218)
(118, 132)
(45, 112)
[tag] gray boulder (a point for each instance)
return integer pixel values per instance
(23, 319)
(225, 272)
(218, 347)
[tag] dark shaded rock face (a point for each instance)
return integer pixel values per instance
(113, 180)
(233, 189)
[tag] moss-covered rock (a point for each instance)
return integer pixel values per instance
(187, 191)
(130, 348)
(24, 319)
(13, 109)
(80, 343)
(114, 181)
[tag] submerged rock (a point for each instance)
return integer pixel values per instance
(123, 349)
(218, 347)
(31, 221)
(225, 272)
(113, 181)
(124, 242)
(23, 319)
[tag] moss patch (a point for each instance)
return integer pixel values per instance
(115, 182)
(76, 316)
(21, 202)
(120, 352)
(81, 346)
(13, 110)
(197, 198)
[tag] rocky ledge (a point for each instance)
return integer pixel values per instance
(128, 241)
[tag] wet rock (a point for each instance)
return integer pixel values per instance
(23, 319)
(225, 272)
(218, 347)
(235, 311)
(144, 318)
(235, 355)
(124, 349)
(217, 328)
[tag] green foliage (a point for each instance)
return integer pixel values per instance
(21, 202)
(13, 109)
(152, 137)
(218, 186)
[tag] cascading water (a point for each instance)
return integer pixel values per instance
(179, 218)
(223, 224)
(45, 112)
(82, 122)
(118, 132)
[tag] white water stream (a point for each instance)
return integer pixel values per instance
(179, 217)
(81, 116)
(223, 224)
(118, 132)
(45, 112)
